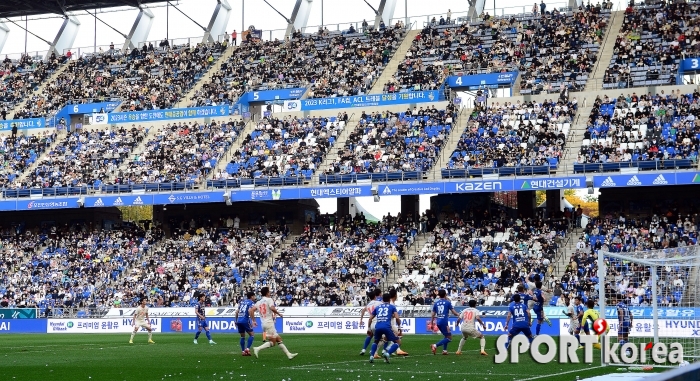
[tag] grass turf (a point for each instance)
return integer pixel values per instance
(321, 357)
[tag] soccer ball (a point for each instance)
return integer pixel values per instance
(683, 363)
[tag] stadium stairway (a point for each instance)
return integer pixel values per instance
(221, 164)
(187, 98)
(452, 141)
(516, 84)
(595, 82)
(339, 145)
(568, 248)
(138, 150)
(250, 281)
(40, 89)
(60, 135)
(393, 64)
(413, 250)
(575, 138)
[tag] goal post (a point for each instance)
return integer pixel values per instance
(661, 289)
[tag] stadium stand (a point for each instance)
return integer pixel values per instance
(392, 146)
(483, 259)
(525, 139)
(202, 258)
(622, 234)
(18, 154)
(336, 264)
(144, 79)
(649, 45)
(281, 151)
(84, 158)
(90, 271)
(179, 156)
(332, 63)
(645, 131)
(21, 77)
(76, 267)
(553, 51)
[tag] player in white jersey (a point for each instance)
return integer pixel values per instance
(374, 303)
(468, 318)
(397, 331)
(140, 320)
(571, 313)
(266, 308)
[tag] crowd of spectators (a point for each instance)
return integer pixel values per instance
(665, 228)
(85, 157)
(181, 152)
(329, 63)
(337, 260)
(653, 38)
(19, 152)
(74, 265)
(395, 142)
(476, 255)
(642, 127)
(200, 257)
(19, 78)
(89, 270)
(144, 79)
(287, 147)
(552, 50)
(515, 135)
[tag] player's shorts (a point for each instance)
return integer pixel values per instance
(244, 327)
(386, 332)
(516, 330)
(470, 332)
(573, 327)
(269, 329)
(444, 329)
(372, 327)
(585, 329)
(142, 324)
(202, 323)
(539, 313)
(624, 328)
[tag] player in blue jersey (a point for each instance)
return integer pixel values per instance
(384, 314)
(525, 298)
(538, 307)
(441, 311)
(202, 320)
(521, 319)
(582, 325)
(624, 320)
(244, 324)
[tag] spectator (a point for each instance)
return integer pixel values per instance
(234, 37)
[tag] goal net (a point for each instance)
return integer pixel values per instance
(660, 287)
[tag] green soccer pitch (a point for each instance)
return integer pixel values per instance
(108, 357)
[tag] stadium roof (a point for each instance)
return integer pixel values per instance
(16, 8)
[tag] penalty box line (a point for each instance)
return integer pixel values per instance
(382, 369)
(562, 373)
(404, 358)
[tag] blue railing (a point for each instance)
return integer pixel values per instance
(641, 164)
(503, 171)
(383, 176)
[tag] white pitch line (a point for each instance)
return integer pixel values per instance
(560, 373)
(389, 370)
(366, 360)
